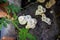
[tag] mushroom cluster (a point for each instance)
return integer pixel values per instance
(46, 19)
(41, 11)
(31, 22)
(22, 20)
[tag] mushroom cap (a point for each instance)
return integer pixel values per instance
(28, 18)
(41, 1)
(46, 20)
(40, 10)
(22, 20)
(31, 24)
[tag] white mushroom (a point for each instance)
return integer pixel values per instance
(51, 11)
(22, 20)
(28, 26)
(44, 10)
(43, 15)
(31, 24)
(40, 7)
(47, 20)
(28, 18)
(40, 10)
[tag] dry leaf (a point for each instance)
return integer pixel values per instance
(2, 14)
(8, 38)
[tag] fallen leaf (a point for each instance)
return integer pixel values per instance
(2, 14)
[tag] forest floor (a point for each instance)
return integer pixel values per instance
(42, 31)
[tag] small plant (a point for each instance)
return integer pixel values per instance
(23, 33)
(3, 21)
(12, 8)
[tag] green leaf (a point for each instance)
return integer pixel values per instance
(23, 35)
(12, 9)
(9, 11)
(3, 1)
(31, 37)
(0, 26)
(4, 21)
(0, 21)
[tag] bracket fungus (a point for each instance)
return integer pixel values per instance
(31, 22)
(41, 1)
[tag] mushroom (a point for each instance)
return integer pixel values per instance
(31, 24)
(22, 20)
(46, 19)
(50, 3)
(28, 18)
(40, 10)
(41, 1)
